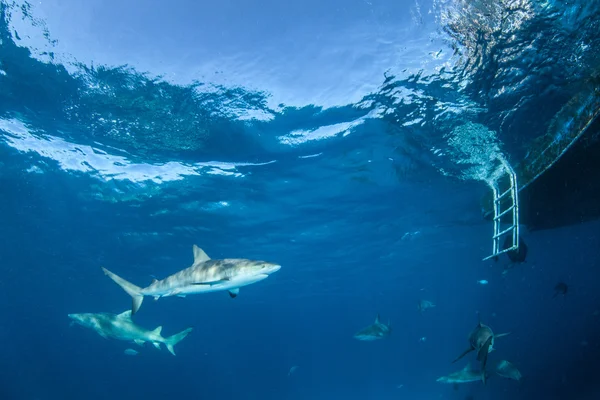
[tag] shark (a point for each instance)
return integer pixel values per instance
(203, 276)
(375, 331)
(481, 340)
(121, 327)
(508, 370)
(424, 305)
(465, 375)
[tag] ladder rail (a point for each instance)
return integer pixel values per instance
(499, 213)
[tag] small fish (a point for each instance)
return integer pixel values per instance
(482, 282)
(560, 288)
(131, 352)
(423, 339)
(293, 369)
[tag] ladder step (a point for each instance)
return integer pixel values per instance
(504, 232)
(503, 194)
(500, 252)
(504, 212)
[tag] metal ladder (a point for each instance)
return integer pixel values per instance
(513, 199)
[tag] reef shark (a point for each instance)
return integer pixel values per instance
(508, 370)
(482, 340)
(375, 331)
(121, 327)
(205, 275)
(465, 375)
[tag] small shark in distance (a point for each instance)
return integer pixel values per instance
(465, 375)
(424, 305)
(482, 340)
(205, 275)
(375, 331)
(121, 327)
(506, 369)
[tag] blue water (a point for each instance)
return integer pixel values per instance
(316, 135)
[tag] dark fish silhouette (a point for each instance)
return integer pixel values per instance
(560, 288)
(516, 256)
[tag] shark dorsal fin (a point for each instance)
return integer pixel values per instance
(377, 319)
(125, 314)
(199, 255)
(157, 331)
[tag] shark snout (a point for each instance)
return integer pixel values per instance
(271, 268)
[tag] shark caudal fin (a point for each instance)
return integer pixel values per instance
(176, 338)
(130, 288)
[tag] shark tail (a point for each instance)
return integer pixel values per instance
(130, 288)
(176, 338)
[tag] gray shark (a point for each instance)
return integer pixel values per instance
(424, 305)
(482, 340)
(375, 331)
(205, 275)
(465, 375)
(121, 327)
(506, 369)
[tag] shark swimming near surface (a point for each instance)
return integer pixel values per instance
(205, 275)
(481, 339)
(465, 375)
(375, 331)
(121, 327)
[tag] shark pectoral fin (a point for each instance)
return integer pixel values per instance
(156, 344)
(199, 255)
(483, 352)
(139, 342)
(502, 335)
(464, 353)
(233, 293)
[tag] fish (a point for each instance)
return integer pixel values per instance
(293, 369)
(483, 282)
(121, 327)
(560, 288)
(131, 352)
(375, 331)
(506, 369)
(465, 375)
(203, 276)
(481, 339)
(424, 305)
